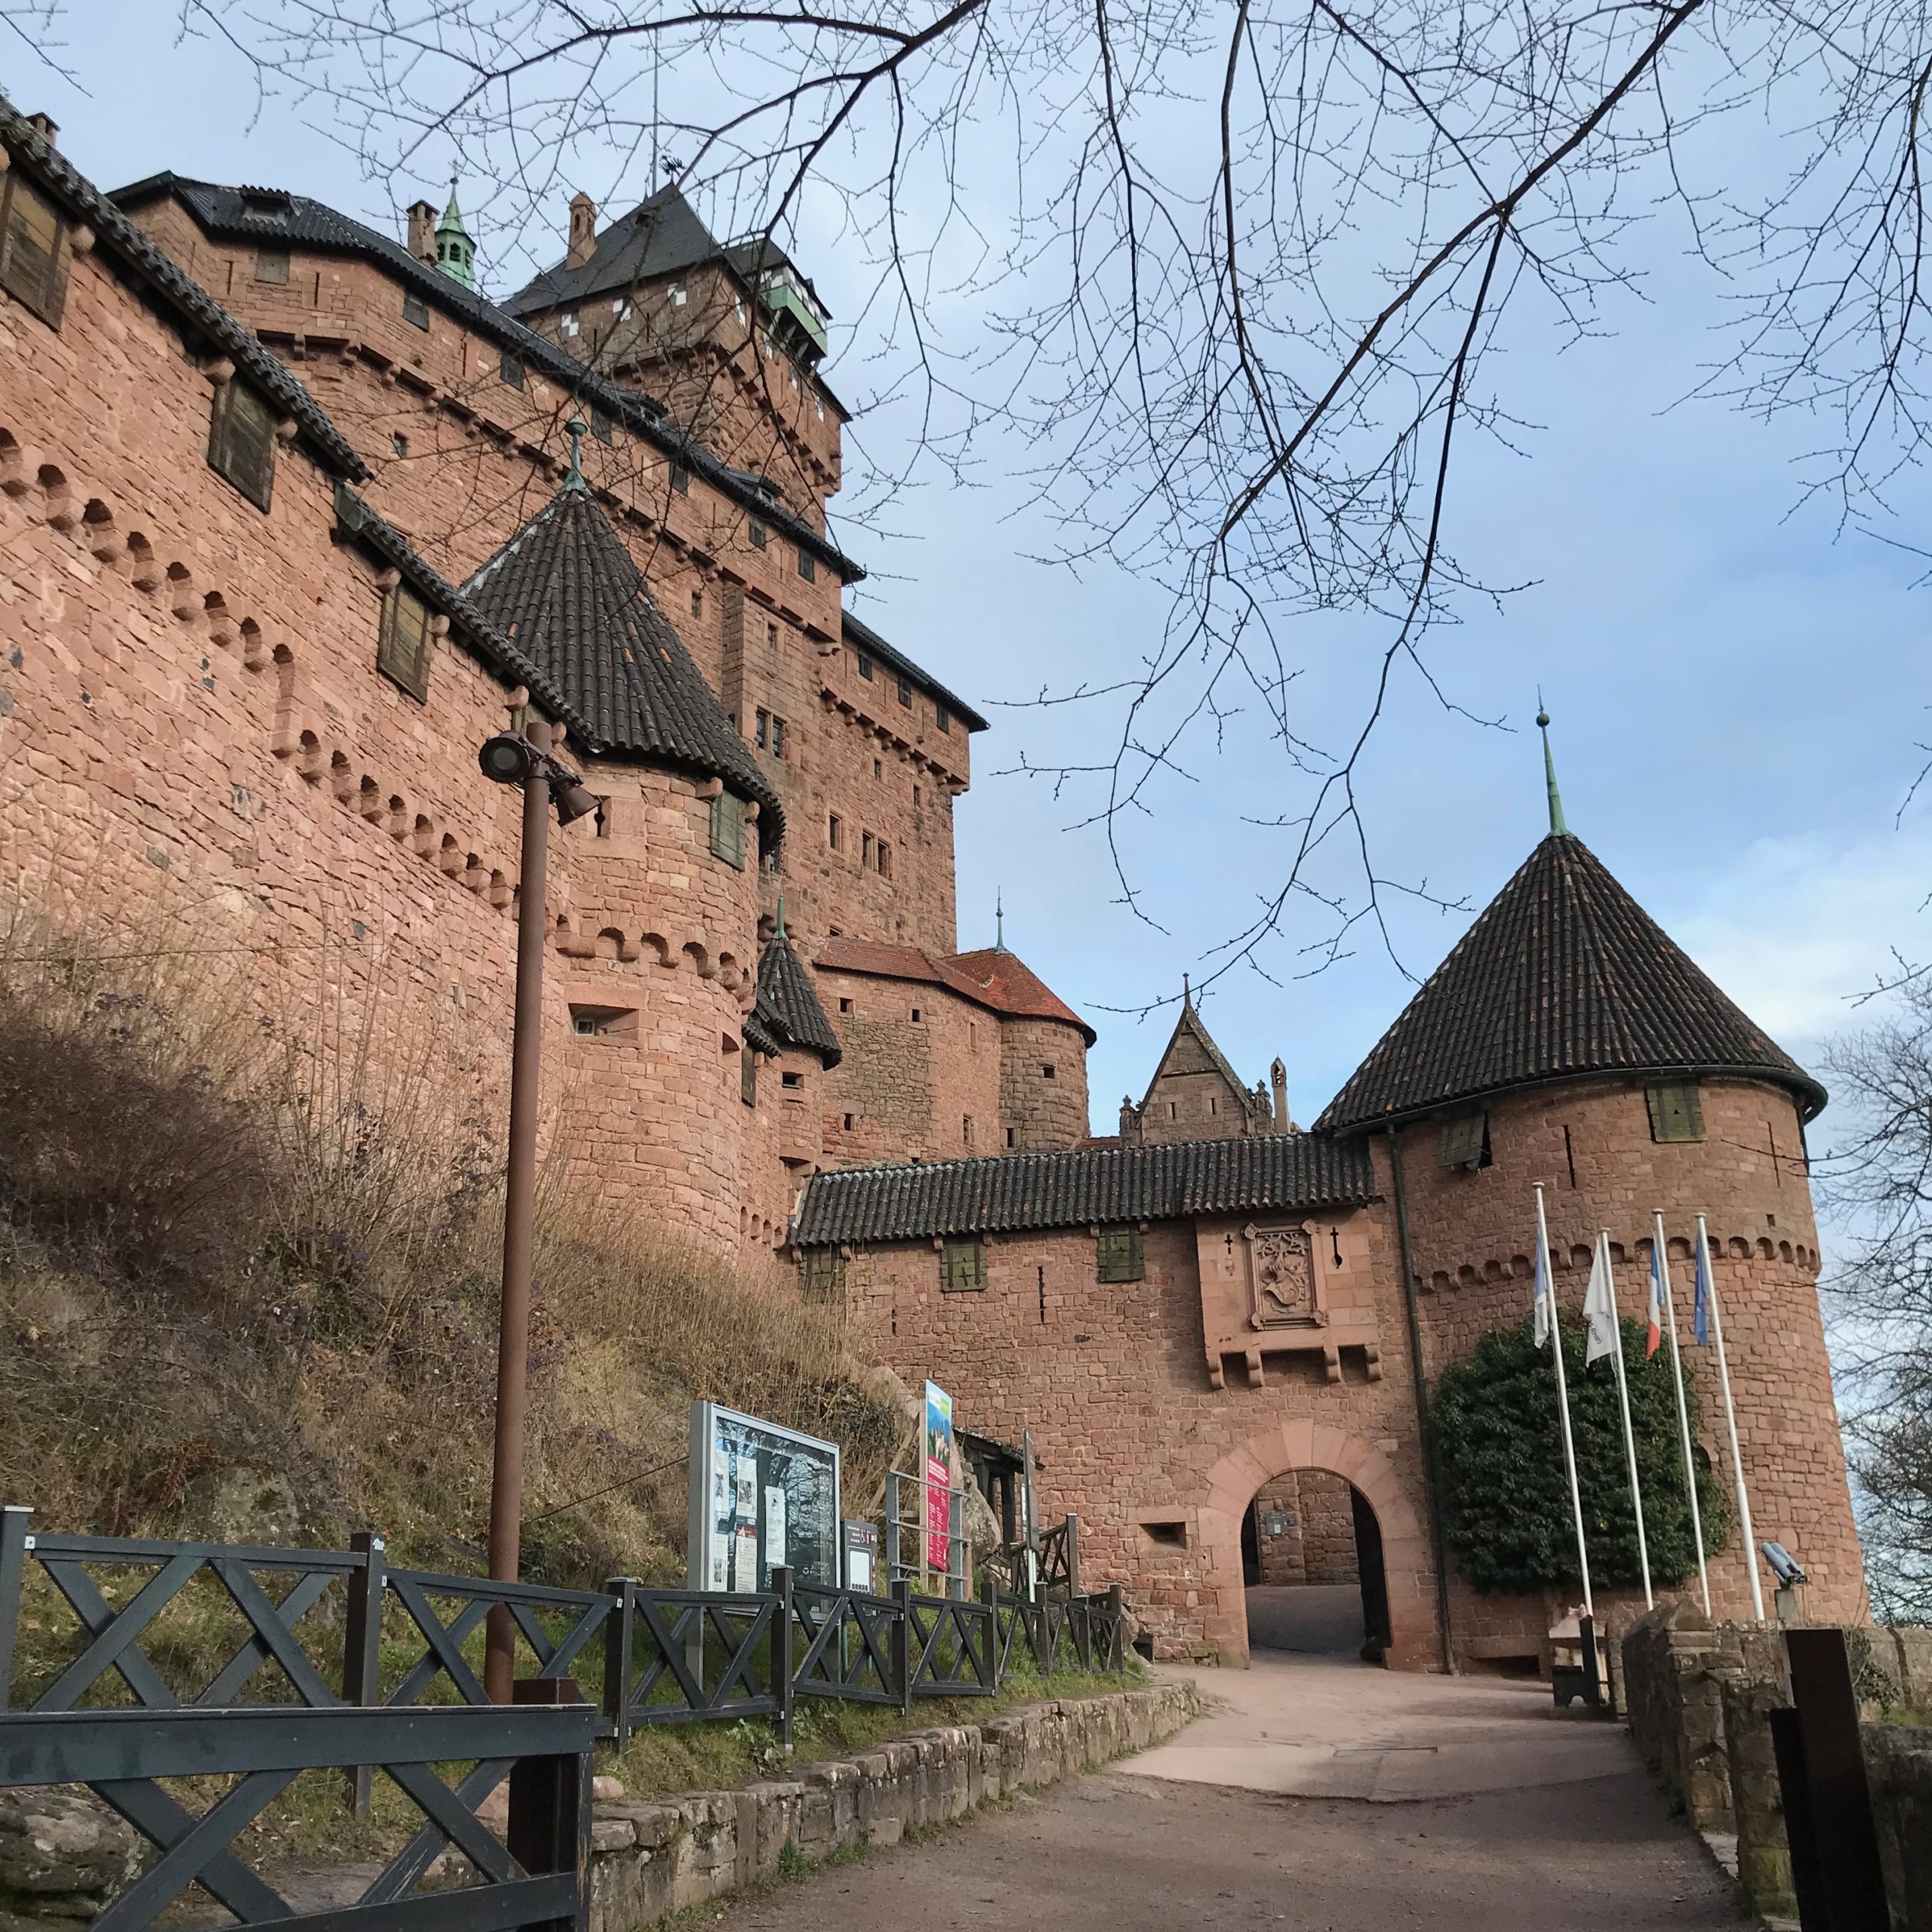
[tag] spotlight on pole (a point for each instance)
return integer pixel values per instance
(507, 757)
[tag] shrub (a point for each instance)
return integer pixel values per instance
(1505, 1498)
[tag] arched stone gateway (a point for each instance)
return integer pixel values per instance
(1304, 1444)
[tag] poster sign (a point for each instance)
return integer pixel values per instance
(939, 1481)
(862, 1557)
(760, 1496)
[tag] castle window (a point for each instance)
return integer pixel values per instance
(848, 1119)
(1213, 1104)
(777, 737)
(807, 566)
(1118, 1255)
(972, 1036)
(620, 309)
(962, 1264)
(884, 859)
(728, 828)
(1677, 1111)
(942, 718)
(878, 769)
(865, 666)
(416, 311)
(271, 264)
(845, 1006)
(604, 1023)
(1466, 1141)
(1047, 1073)
(241, 441)
(763, 726)
(906, 693)
(678, 296)
(697, 603)
(570, 325)
(771, 637)
(865, 849)
(32, 269)
(791, 1082)
(603, 424)
(748, 1076)
(510, 370)
(399, 443)
(1009, 1136)
(966, 1131)
(756, 533)
(402, 645)
(681, 479)
(835, 832)
(917, 1016)
(821, 1273)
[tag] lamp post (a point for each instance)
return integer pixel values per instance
(525, 760)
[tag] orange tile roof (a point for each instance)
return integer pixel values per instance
(998, 980)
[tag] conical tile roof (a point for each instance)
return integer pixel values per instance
(566, 592)
(787, 1010)
(1564, 975)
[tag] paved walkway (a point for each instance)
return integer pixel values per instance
(1487, 1809)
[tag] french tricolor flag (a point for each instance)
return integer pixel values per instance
(1656, 1335)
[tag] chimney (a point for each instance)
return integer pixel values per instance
(583, 230)
(423, 231)
(1277, 1078)
(45, 127)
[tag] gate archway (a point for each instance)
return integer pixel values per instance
(1232, 1485)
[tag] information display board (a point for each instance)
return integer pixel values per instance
(760, 1495)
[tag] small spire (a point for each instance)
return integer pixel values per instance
(1558, 828)
(574, 481)
(778, 930)
(456, 252)
(999, 922)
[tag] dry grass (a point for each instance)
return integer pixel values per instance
(248, 1265)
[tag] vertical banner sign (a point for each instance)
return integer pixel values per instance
(939, 1481)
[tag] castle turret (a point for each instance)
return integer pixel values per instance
(456, 253)
(1568, 1040)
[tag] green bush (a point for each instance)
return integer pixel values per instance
(1505, 1500)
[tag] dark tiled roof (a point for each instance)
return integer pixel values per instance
(254, 215)
(356, 519)
(1005, 1193)
(868, 640)
(565, 591)
(788, 1009)
(1563, 975)
(996, 980)
(660, 235)
(137, 256)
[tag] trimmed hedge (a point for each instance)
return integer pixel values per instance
(1506, 1501)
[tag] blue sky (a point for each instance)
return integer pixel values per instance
(1738, 689)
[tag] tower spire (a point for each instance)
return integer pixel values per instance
(1186, 994)
(999, 922)
(778, 929)
(574, 481)
(1558, 828)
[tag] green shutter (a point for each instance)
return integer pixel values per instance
(728, 828)
(1462, 1139)
(824, 1270)
(962, 1264)
(1677, 1111)
(1118, 1256)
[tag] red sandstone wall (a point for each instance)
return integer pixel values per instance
(1111, 1378)
(1043, 1083)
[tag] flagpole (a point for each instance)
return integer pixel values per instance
(1730, 1420)
(1629, 1433)
(1660, 1260)
(1563, 1402)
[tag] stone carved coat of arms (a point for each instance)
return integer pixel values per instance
(1281, 1277)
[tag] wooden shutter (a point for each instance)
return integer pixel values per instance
(402, 650)
(748, 1076)
(962, 1264)
(1677, 1111)
(1462, 1140)
(1119, 1256)
(32, 251)
(824, 1272)
(241, 441)
(728, 828)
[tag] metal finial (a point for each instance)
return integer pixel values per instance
(1558, 828)
(574, 481)
(778, 930)
(1186, 992)
(999, 922)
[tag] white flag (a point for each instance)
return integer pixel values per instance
(1545, 1309)
(1600, 1309)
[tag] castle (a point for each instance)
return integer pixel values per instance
(296, 518)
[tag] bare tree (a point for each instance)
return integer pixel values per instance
(1235, 275)
(1880, 1179)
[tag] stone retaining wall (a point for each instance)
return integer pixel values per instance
(650, 1858)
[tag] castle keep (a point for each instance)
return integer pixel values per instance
(295, 518)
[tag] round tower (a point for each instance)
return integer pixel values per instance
(1568, 1040)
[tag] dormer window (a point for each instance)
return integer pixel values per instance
(33, 269)
(569, 325)
(241, 441)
